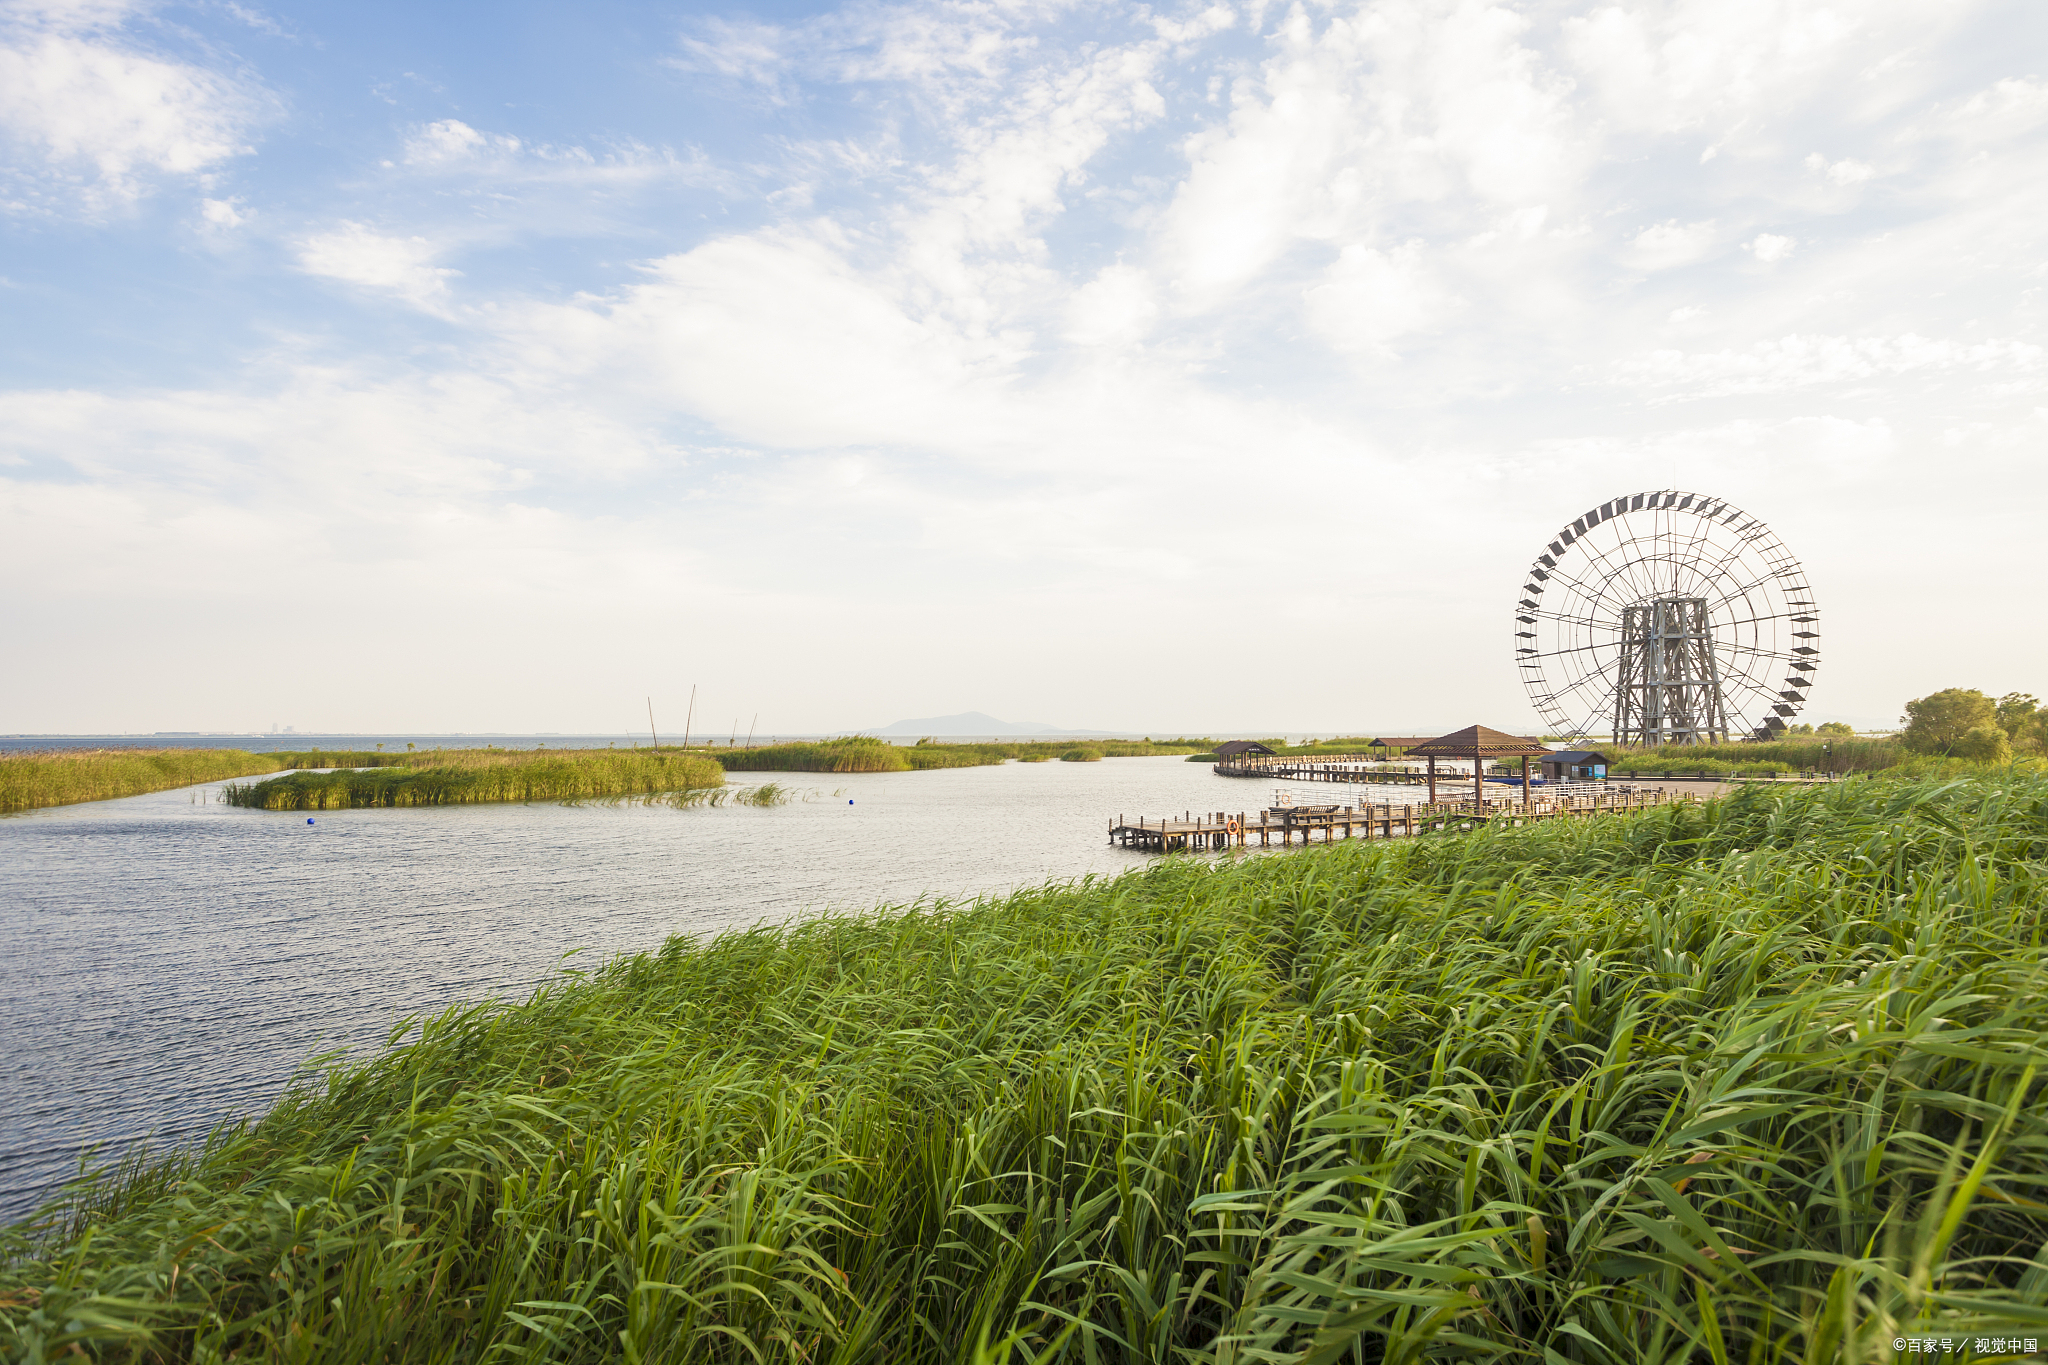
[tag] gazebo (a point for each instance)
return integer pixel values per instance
(1478, 743)
(1240, 748)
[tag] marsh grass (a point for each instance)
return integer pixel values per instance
(66, 776)
(1361, 744)
(1811, 753)
(766, 795)
(1757, 1080)
(362, 758)
(1675, 761)
(468, 776)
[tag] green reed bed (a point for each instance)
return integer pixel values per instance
(1846, 754)
(356, 758)
(1361, 744)
(1757, 1080)
(1682, 764)
(66, 776)
(767, 794)
(464, 777)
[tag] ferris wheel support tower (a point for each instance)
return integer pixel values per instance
(1669, 691)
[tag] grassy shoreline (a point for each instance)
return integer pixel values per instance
(1757, 1080)
(66, 777)
(432, 777)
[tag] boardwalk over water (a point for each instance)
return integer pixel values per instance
(1353, 768)
(1389, 820)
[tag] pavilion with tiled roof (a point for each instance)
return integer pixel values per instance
(1478, 743)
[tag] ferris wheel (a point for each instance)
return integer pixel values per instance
(1667, 618)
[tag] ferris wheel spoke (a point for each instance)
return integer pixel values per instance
(1744, 539)
(1650, 550)
(1590, 622)
(1781, 655)
(1576, 682)
(1744, 590)
(1572, 581)
(1627, 568)
(1754, 620)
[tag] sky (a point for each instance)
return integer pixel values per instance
(1216, 367)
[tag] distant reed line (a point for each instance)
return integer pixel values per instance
(866, 754)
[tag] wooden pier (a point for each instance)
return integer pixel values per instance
(1351, 768)
(1210, 830)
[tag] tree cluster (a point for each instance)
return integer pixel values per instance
(1962, 722)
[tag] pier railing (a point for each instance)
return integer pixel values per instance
(1385, 820)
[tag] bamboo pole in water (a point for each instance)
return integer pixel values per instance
(690, 716)
(650, 723)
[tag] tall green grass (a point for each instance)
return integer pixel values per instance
(1361, 744)
(1822, 753)
(473, 776)
(362, 758)
(1757, 1080)
(65, 776)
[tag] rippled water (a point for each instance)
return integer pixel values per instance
(166, 963)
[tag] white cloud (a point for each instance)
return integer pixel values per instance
(1796, 362)
(1669, 66)
(222, 213)
(944, 356)
(1844, 172)
(93, 118)
(1769, 247)
(1368, 298)
(1116, 308)
(401, 266)
(495, 161)
(452, 140)
(744, 49)
(1663, 246)
(1394, 105)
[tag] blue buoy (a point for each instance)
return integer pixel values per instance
(849, 800)
(309, 819)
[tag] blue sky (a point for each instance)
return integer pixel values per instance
(461, 367)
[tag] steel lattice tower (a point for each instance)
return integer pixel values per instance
(1669, 688)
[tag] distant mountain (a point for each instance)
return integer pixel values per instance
(976, 723)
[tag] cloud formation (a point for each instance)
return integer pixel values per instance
(1024, 314)
(92, 117)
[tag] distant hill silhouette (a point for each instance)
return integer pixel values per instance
(977, 723)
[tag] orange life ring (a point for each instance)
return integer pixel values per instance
(1231, 824)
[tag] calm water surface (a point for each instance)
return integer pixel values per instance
(167, 961)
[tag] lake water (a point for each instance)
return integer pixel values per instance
(167, 961)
